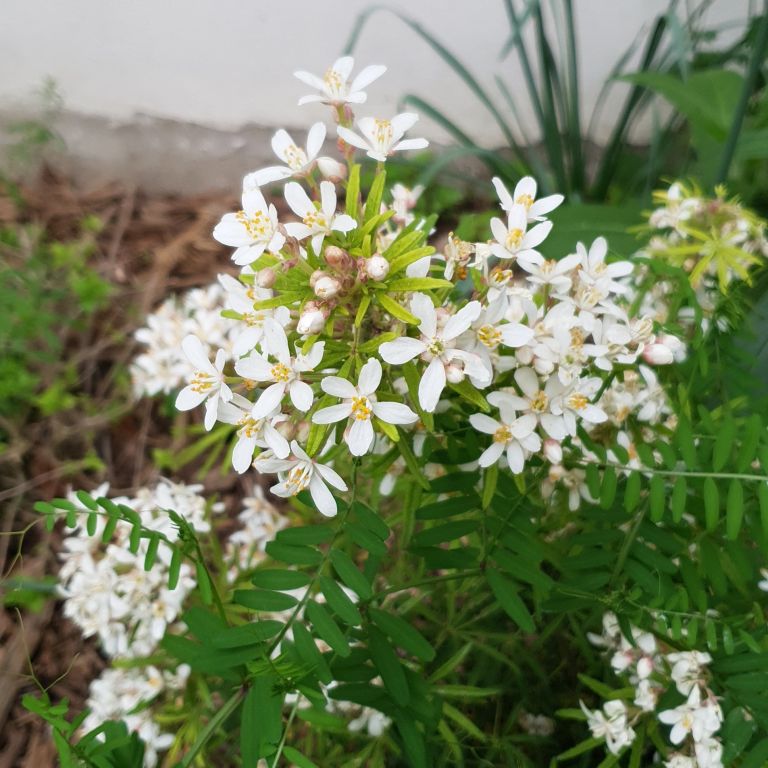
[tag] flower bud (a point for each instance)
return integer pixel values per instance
(377, 267)
(266, 277)
(454, 374)
(327, 287)
(553, 451)
(658, 354)
(311, 321)
(331, 169)
(287, 429)
(315, 276)
(676, 346)
(337, 258)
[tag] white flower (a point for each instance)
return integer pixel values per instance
(610, 724)
(575, 401)
(380, 138)
(315, 222)
(681, 761)
(763, 583)
(538, 401)
(360, 404)
(512, 240)
(658, 354)
(299, 473)
(549, 271)
(285, 374)
(239, 298)
(335, 87)
(252, 230)
(207, 382)
(457, 253)
(403, 200)
(437, 346)
(689, 718)
(594, 270)
(298, 162)
(687, 669)
(525, 196)
(511, 434)
(646, 694)
(709, 753)
(253, 432)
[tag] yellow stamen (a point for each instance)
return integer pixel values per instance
(514, 238)
(280, 372)
(525, 200)
(502, 435)
(361, 409)
(489, 336)
(258, 226)
(540, 402)
(577, 401)
(201, 382)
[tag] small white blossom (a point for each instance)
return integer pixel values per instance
(437, 346)
(334, 86)
(513, 241)
(361, 405)
(298, 473)
(315, 222)
(285, 374)
(252, 230)
(525, 196)
(380, 138)
(207, 384)
(298, 161)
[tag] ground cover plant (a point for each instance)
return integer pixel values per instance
(518, 502)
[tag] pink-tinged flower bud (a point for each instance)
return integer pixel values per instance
(658, 354)
(454, 374)
(266, 277)
(327, 287)
(315, 276)
(332, 169)
(377, 267)
(337, 258)
(676, 346)
(287, 429)
(644, 667)
(553, 451)
(311, 321)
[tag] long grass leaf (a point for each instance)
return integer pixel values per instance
(464, 74)
(574, 116)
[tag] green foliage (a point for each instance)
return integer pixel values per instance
(48, 291)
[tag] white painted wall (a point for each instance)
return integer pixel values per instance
(227, 63)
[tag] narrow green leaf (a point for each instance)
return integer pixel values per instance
(506, 593)
(723, 444)
(711, 504)
(386, 662)
(353, 191)
(490, 478)
(299, 760)
(679, 492)
(264, 600)
(632, 491)
(327, 628)
(350, 574)
(293, 554)
(657, 498)
(608, 488)
(395, 309)
(261, 723)
(404, 634)
(151, 556)
(339, 602)
(734, 512)
(418, 284)
(276, 578)
(87, 500)
(375, 195)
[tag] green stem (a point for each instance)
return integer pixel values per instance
(281, 745)
(683, 473)
(426, 582)
(756, 61)
(229, 706)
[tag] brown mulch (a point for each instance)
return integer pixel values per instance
(148, 247)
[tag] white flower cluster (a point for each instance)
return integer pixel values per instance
(652, 671)
(125, 694)
(714, 240)
(162, 366)
(538, 337)
(109, 595)
(106, 590)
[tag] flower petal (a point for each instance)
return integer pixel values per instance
(297, 199)
(394, 413)
(401, 350)
(423, 308)
(301, 395)
(483, 423)
(366, 76)
(197, 354)
(269, 399)
(370, 377)
(432, 385)
(242, 455)
(322, 497)
(338, 387)
(315, 139)
(359, 438)
(189, 398)
(332, 414)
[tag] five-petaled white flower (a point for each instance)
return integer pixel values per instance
(525, 195)
(298, 473)
(595, 272)
(538, 401)
(252, 230)
(334, 85)
(512, 434)
(512, 239)
(361, 405)
(284, 374)
(315, 222)
(380, 138)
(437, 346)
(298, 162)
(207, 383)
(253, 432)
